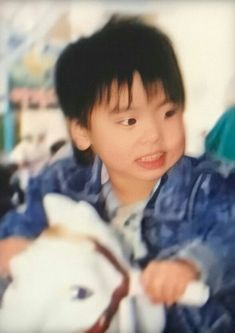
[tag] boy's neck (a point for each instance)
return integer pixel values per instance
(129, 192)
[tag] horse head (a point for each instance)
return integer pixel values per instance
(71, 279)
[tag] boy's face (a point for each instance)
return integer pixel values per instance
(139, 142)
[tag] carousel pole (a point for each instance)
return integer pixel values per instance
(5, 108)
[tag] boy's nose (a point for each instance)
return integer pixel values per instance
(151, 132)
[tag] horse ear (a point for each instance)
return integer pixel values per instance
(58, 208)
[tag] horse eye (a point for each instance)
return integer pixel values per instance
(81, 292)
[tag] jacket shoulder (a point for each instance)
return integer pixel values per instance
(61, 175)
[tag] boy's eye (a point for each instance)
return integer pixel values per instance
(170, 113)
(128, 122)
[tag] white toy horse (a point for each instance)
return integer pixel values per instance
(73, 278)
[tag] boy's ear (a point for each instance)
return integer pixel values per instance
(79, 134)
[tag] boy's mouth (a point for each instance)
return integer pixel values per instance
(151, 161)
(152, 157)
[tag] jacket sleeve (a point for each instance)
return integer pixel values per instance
(29, 219)
(211, 225)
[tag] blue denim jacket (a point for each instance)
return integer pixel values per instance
(191, 215)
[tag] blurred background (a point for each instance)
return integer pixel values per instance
(33, 33)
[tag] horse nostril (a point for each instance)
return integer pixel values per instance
(81, 292)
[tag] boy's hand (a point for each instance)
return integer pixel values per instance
(165, 281)
(9, 248)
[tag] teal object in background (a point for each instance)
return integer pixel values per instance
(220, 141)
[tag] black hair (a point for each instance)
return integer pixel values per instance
(87, 67)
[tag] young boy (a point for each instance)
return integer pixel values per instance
(122, 92)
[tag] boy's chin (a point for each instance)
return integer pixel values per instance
(149, 177)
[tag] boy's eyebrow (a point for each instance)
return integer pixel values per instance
(118, 109)
(164, 102)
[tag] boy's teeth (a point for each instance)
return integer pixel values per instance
(150, 157)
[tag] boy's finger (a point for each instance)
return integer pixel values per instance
(155, 291)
